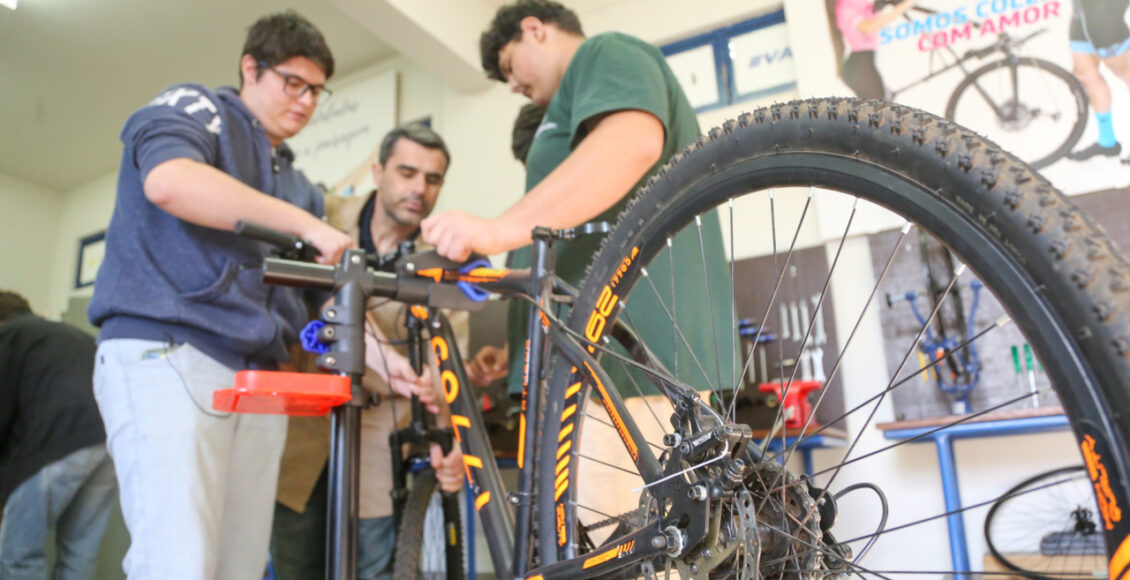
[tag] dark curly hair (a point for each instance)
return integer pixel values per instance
(507, 26)
(525, 129)
(12, 304)
(277, 38)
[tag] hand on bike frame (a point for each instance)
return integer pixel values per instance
(396, 370)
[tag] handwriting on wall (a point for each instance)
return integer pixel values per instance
(346, 129)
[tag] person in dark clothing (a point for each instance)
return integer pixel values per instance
(525, 129)
(55, 474)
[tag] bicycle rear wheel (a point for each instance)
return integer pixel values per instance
(1011, 103)
(430, 543)
(1047, 527)
(865, 169)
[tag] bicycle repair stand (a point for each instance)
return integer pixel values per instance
(313, 394)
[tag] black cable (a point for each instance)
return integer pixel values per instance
(882, 520)
(168, 348)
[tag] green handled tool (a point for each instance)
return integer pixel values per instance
(1031, 374)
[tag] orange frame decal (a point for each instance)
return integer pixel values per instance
(447, 378)
(621, 550)
(617, 420)
(1100, 479)
(469, 461)
(600, 558)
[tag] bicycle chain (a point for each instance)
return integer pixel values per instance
(622, 518)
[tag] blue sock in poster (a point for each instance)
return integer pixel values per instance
(1106, 130)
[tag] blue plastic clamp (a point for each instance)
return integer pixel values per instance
(474, 292)
(309, 338)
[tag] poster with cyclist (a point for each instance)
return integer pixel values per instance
(1047, 80)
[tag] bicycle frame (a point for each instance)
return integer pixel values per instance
(433, 286)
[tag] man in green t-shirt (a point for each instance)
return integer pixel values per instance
(615, 114)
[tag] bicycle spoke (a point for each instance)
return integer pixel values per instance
(851, 336)
(806, 437)
(671, 315)
(736, 350)
(875, 409)
(788, 256)
(611, 426)
(814, 549)
(636, 385)
(678, 332)
(961, 510)
(964, 419)
(606, 464)
(619, 518)
(710, 309)
(811, 325)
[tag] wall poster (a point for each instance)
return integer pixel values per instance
(1045, 79)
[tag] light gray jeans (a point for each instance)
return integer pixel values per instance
(72, 497)
(197, 485)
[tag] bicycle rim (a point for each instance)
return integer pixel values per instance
(1047, 527)
(1061, 287)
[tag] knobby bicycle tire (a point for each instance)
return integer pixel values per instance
(1077, 108)
(1065, 285)
(422, 546)
(1057, 538)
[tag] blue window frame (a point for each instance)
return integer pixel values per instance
(724, 67)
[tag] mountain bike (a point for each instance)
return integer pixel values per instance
(646, 477)
(1012, 98)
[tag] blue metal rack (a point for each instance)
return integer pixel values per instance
(943, 439)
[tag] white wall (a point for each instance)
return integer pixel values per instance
(664, 21)
(85, 210)
(28, 223)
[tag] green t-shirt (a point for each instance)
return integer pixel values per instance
(615, 72)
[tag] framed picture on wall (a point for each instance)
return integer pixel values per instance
(91, 250)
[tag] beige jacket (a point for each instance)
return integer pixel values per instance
(308, 438)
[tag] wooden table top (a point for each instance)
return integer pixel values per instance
(993, 416)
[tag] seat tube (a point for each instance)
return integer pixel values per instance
(541, 265)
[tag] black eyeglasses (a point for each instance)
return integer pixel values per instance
(295, 86)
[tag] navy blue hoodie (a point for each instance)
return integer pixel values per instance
(169, 280)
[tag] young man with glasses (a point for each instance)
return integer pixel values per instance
(182, 306)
